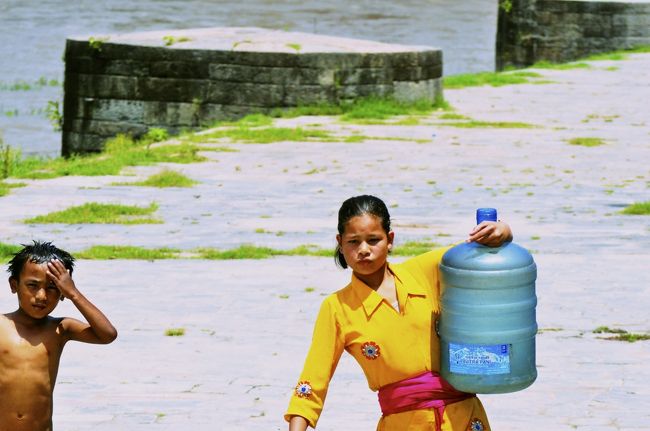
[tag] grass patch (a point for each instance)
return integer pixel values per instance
(475, 124)
(374, 108)
(21, 85)
(494, 79)
(175, 332)
(622, 54)
(267, 135)
(108, 252)
(621, 334)
(119, 152)
(637, 208)
(94, 212)
(251, 120)
(586, 142)
(321, 109)
(5, 188)
(414, 248)
(452, 116)
(171, 40)
(523, 76)
(366, 109)
(165, 178)
(560, 66)
(248, 251)
(258, 128)
(7, 251)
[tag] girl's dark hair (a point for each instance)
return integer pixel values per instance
(38, 252)
(356, 206)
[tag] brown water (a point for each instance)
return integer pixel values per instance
(32, 39)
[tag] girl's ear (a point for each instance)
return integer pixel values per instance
(13, 283)
(338, 239)
(391, 237)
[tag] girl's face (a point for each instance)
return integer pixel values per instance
(365, 244)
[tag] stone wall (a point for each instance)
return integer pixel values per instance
(560, 30)
(187, 79)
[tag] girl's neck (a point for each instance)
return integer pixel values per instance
(377, 278)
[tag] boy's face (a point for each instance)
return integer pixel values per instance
(37, 295)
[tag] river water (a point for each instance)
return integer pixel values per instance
(32, 40)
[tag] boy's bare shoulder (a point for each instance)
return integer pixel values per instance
(10, 322)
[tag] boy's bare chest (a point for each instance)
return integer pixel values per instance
(28, 351)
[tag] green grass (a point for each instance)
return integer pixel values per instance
(171, 40)
(637, 208)
(321, 109)
(414, 248)
(120, 152)
(165, 178)
(452, 116)
(266, 135)
(622, 54)
(246, 251)
(94, 212)
(7, 251)
(560, 66)
(5, 188)
(107, 252)
(494, 79)
(621, 334)
(366, 109)
(251, 120)
(375, 108)
(21, 85)
(523, 76)
(295, 46)
(175, 332)
(475, 124)
(586, 142)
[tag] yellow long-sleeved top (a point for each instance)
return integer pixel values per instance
(389, 345)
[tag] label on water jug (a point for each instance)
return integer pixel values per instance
(479, 359)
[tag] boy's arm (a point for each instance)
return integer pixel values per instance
(99, 329)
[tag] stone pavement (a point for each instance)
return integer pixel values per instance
(248, 323)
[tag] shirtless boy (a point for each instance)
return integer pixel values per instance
(31, 341)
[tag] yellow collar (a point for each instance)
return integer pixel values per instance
(404, 283)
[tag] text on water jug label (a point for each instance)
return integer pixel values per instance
(479, 359)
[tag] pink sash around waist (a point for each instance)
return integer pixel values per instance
(424, 391)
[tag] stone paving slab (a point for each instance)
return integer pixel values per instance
(252, 39)
(248, 323)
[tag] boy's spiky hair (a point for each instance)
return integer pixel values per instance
(38, 252)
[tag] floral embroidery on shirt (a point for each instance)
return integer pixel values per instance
(476, 425)
(370, 350)
(303, 389)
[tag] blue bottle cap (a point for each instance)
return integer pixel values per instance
(483, 214)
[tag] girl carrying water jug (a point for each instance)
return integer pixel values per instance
(385, 319)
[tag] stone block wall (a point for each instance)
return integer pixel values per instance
(562, 30)
(131, 83)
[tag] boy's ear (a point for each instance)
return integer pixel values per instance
(14, 284)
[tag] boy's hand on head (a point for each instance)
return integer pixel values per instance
(490, 233)
(60, 276)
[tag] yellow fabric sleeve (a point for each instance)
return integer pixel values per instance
(428, 265)
(324, 354)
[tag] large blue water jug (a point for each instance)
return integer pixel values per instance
(487, 324)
